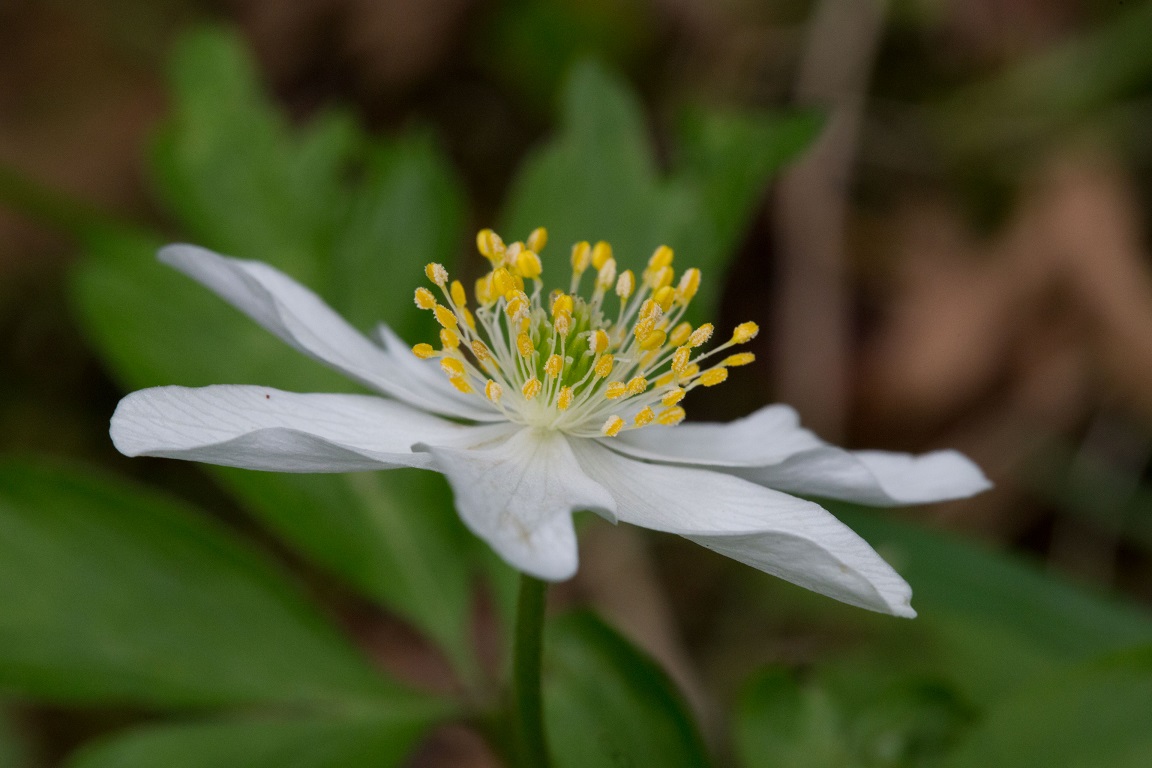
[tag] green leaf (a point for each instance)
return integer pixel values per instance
(607, 704)
(780, 724)
(354, 219)
(366, 742)
(1093, 715)
(113, 594)
(598, 180)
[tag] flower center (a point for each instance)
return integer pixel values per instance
(566, 361)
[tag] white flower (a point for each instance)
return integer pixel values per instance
(535, 413)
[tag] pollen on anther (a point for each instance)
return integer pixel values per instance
(745, 332)
(493, 391)
(616, 390)
(738, 359)
(457, 292)
(462, 385)
(601, 254)
(555, 366)
(713, 377)
(599, 341)
(564, 399)
(637, 384)
(612, 426)
(581, 256)
(563, 322)
(604, 365)
(701, 335)
(423, 351)
(625, 284)
(449, 338)
(437, 274)
(538, 239)
(425, 299)
(681, 358)
(445, 316)
(671, 416)
(453, 367)
(672, 397)
(644, 417)
(531, 388)
(480, 349)
(680, 334)
(524, 345)
(653, 340)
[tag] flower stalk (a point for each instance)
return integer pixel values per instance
(527, 699)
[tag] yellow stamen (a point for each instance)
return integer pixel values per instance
(616, 390)
(425, 299)
(664, 297)
(453, 367)
(555, 366)
(529, 264)
(603, 366)
(502, 281)
(689, 372)
(701, 335)
(489, 244)
(625, 284)
(681, 358)
(462, 385)
(599, 341)
(563, 322)
(563, 303)
(538, 239)
(480, 349)
(637, 384)
(601, 253)
(437, 274)
(680, 334)
(738, 359)
(493, 391)
(606, 276)
(672, 397)
(612, 426)
(653, 340)
(524, 345)
(445, 316)
(745, 332)
(671, 416)
(644, 417)
(457, 293)
(661, 257)
(714, 376)
(581, 257)
(689, 284)
(564, 399)
(449, 338)
(531, 388)
(423, 351)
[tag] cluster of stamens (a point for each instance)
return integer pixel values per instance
(571, 366)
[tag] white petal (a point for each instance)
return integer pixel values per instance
(770, 448)
(264, 428)
(766, 436)
(791, 538)
(874, 477)
(302, 319)
(517, 488)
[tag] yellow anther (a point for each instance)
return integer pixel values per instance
(601, 253)
(493, 391)
(740, 358)
(453, 367)
(670, 417)
(680, 334)
(437, 274)
(531, 388)
(562, 323)
(564, 399)
(701, 335)
(599, 341)
(603, 366)
(563, 302)
(529, 264)
(423, 351)
(445, 316)
(462, 385)
(489, 244)
(643, 327)
(480, 349)
(664, 297)
(581, 257)
(665, 379)
(469, 318)
(554, 367)
(637, 384)
(484, 292)
(538, 239)
(502, 282)
(745, 332)
(689, 372)
(660, 277)
(449, 338)
(649, 309)
(616, 390)
(689, 284)
(644, 417)
(524, 345)
(673, 396)
(456, 291)
(661, 257)
(625, 284)
(714, 376)
(606, 276)
(516, 305)
(681, 358)
(612, 426)
(425, 299)
(653, 340)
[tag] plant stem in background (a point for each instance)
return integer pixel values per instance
(527, 702)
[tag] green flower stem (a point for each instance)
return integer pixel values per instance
(527, 700)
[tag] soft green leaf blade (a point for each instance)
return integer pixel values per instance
(1095, 715)
(597, 180)
(110, 593)
(364, 742)
(607, 704)
(780, 724)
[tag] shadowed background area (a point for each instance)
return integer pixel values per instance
(938, 211)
